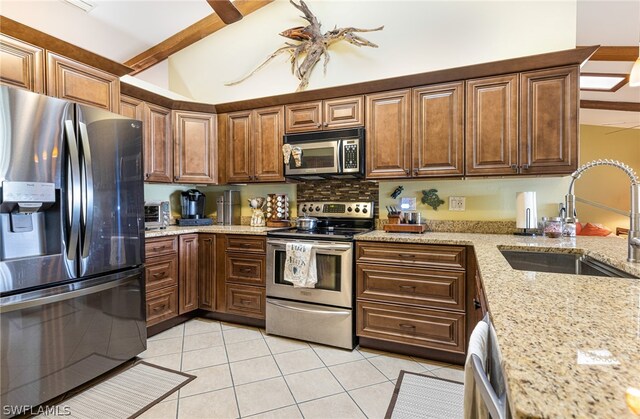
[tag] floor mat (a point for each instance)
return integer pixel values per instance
(127, 394)
(420, 396)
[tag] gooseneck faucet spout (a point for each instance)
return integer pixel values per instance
(634, 215)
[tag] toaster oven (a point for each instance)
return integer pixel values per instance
(156, 215)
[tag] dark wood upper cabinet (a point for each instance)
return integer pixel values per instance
(343, 112)
(549, 121)
(195, 147)
(302, 117)
(22, 64)
(268, 132)
(72, 80)
(158, 146)
(437, 147)
(131, 107)
(388, 132)
(254, 145)
(492, 125)
(327, 114)
(188, 276)
(206, 271)
(239, 149)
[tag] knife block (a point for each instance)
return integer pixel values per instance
(394, 219)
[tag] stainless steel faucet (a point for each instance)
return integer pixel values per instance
(634, 215)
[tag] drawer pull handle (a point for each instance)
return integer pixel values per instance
(245, 270)
(158, 308)
(476, 304)
(245, 302)
(407, 326)
(406, 255)
(408, 287)
(160, 274)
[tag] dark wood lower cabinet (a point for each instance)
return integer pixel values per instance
(188, 292)
(246, 300)
(207, 271)
(162, 305)
(412, 325)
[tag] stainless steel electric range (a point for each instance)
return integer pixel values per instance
(324, 314)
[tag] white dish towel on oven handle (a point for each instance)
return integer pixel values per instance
(300, 265)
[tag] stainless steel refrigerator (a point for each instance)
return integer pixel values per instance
(72, 301)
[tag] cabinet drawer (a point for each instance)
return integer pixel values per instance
(246, 301)
(413, 326)
(161, 246)
(245, 269)
(161, 272)
(162, 305)
(450, 257)
(417, 286)
(246, 243)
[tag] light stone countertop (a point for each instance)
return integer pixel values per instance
(227, 229)
(547, 322)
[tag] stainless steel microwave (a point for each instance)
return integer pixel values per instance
(326, 154)
(156, 214)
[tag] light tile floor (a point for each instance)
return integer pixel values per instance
(243, 372)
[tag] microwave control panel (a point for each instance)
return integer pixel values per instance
(350, 155)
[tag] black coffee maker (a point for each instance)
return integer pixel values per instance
(193, 209)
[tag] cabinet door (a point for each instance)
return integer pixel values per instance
(71, 80)
(22, 64)
(158, 148)
(188, 276)
(195, 147)
(388, 131)
(492, 126)
(207, 271)
(131, 107)
(239, 148)
(549, 121)
(267, 155)
(343, 112)
(303, 117)
(438, 130)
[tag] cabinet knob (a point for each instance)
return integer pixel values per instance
(176, 177)
(326, 124)
(146, 175)
(415, 172)
(514, 167)
(525, 167)
(476, 304)
(407, 171)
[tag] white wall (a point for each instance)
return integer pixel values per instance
(418, 36)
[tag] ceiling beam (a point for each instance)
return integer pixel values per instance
(612, 53)
(610, 106)
(188, 36)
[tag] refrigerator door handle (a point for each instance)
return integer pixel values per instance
(87, 202)
(73, 198)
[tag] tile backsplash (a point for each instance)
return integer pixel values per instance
(339, 190)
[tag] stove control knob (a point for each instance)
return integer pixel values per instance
(304, 209)
(364, 210)
(349, 209)
(317, 208)
(311, 209)
(357, 209)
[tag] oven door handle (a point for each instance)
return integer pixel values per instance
(306, 310)
(315, 246)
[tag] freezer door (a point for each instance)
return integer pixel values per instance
(56, 339)
(112, 215)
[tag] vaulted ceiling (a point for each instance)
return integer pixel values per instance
(140, 33)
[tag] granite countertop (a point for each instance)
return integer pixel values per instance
(175, 230)
(570, 343)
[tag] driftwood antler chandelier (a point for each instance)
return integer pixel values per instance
(312, 46)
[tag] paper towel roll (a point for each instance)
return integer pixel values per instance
(524, 201)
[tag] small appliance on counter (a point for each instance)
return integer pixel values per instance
(156, 215)
(193, 202)
(228, 208)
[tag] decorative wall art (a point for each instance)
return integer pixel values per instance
(311, 47)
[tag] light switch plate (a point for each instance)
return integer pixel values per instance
(457, 203)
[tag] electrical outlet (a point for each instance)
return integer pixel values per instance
(456, 203)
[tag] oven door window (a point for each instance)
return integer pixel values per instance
(329, 267)
(316, 158)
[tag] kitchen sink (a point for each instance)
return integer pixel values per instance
(564, 263)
